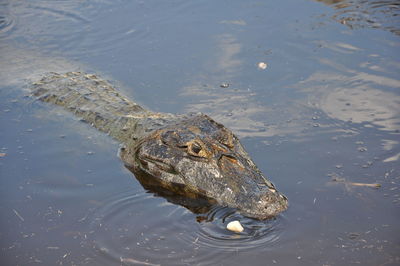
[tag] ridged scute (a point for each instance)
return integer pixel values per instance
(97, 102)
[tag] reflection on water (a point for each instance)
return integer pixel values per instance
(382, 14)
(227, 63)
(237, 107)
(212, 98)
(191, 200)
(356, 96)
(326, 106)
(22, 65)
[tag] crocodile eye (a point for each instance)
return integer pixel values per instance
(195, 148)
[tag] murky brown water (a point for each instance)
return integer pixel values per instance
(322, 116)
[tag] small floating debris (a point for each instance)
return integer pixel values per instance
(134, 261)
(342, 180)
(224, 85)
(2, 154)
(262, 65)
(373, 185)
(362, 149)
(239, 22)
(235, 226)
(353, 236)
(18, 215)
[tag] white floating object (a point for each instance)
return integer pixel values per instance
(235, 226)
(262, 65)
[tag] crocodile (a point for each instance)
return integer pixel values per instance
(185, 153)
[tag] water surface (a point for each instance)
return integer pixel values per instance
(324, 114)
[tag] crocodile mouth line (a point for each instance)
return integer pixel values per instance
(145, 160)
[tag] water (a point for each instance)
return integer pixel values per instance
(326, 108)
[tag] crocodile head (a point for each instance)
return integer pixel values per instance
(204, 157)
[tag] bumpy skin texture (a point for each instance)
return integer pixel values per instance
(192, 152)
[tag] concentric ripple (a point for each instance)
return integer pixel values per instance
(139, 228)
(256, 233)
(7, 22)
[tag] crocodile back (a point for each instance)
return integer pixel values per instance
(92, 99)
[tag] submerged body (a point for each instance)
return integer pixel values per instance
(191, 151)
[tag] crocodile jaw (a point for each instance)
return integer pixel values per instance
(208, 159)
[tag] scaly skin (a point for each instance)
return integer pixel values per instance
(190, 152)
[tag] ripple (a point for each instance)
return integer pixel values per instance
(143, 229)
(256, 233)
(62, 14)
(95, 31)
(7, 23)
(382, 14)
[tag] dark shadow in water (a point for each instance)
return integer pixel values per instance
(177, 194)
